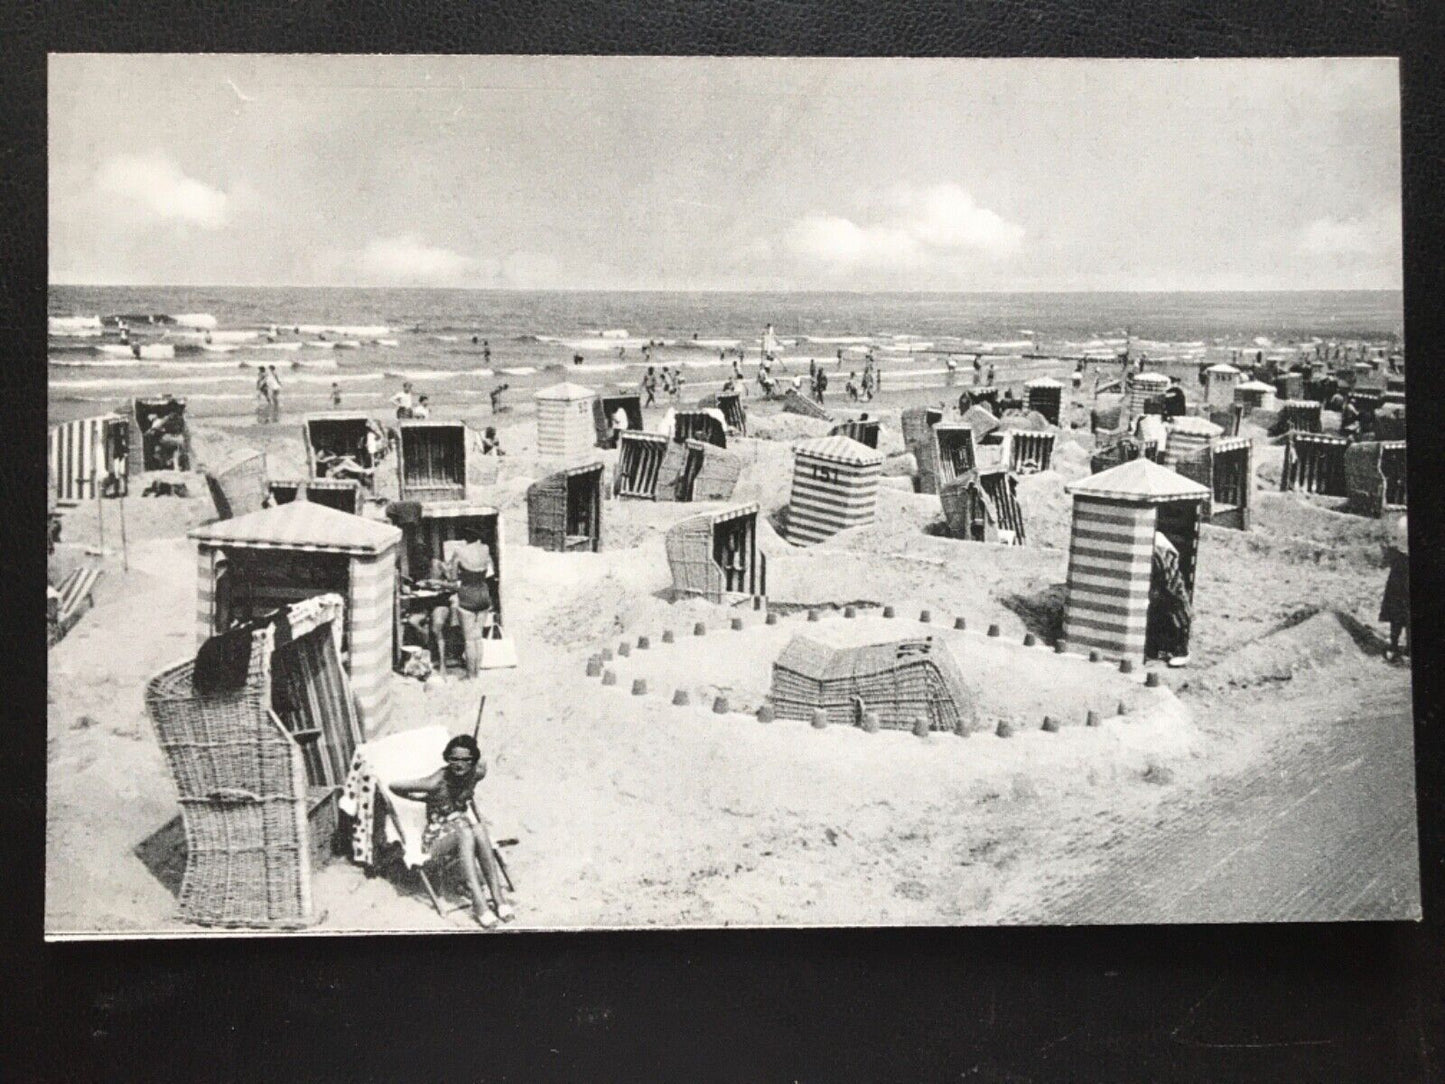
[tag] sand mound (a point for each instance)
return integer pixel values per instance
(786, 427)
(1319, 640)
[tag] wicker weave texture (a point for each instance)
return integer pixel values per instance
(718, 476)
(901, 680)
(793, 403)
(242, 790)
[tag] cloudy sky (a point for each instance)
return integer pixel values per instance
(607, 173)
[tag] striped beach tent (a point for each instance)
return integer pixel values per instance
(1111, 546)
(82, 452)
(1219, 384)
(565, 425)
(835, 486)
(254, 564)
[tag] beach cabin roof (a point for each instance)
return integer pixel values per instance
(1156, 380)
(1254, 385)
(1139, 480)
(1203, 427)
(565, 390)
(1042, 382)
(981, 421)
(1223, 367)
(725, 514)
(301, 525)
(840, 450)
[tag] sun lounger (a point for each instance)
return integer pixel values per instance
(76, 595)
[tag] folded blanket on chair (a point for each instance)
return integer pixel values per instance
(379, 763)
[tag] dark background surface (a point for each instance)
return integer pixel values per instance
(1225, 1003)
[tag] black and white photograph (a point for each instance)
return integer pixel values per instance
(508, 493)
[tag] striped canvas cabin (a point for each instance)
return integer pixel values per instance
(835, 486)
(252, 565)
(1111, 545)
(566, 426)
(80, 454)
(1139, 389)
(1219, 384)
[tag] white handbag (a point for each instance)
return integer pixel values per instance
(498, 653)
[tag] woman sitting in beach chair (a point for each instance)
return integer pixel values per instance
(453, 827)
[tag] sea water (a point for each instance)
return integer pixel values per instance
(366, 339)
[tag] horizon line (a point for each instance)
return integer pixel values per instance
(700, 290)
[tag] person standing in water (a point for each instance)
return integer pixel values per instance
(335, 394)
(273, 388)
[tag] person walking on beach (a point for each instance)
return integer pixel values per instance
(820, 386)
(851, 388)
(1395, 605)
(977, 371)
(273, 389)
(649, 386)
(263, 397)
(403, 402)
(486, 352)
(952, 371)
(335, 394)
(990, 374)
(422, 410)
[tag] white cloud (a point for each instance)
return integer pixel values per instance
(946, 217)
(836, 240)
(911, 229)
(1376, 234)
(407, 260)
(159, 188)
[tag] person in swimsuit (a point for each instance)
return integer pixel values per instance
(452, 825)
(469, 566)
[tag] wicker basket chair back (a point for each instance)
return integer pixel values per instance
(242, 789)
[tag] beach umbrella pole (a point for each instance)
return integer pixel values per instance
(124, 546)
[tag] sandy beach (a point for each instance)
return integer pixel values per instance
(630, 811)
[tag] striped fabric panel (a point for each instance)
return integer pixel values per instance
(76, 457)
(205, 594)
(851, 506)
(1107, 597)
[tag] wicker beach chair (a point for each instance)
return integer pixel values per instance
(240, 487)
(243, 795)
(902, 681)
